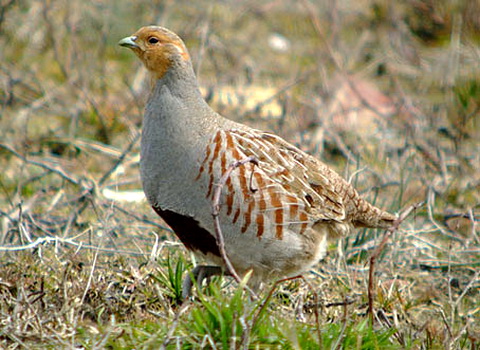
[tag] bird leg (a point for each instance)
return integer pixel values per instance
(197, 275)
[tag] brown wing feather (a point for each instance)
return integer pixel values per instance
(296, 171)
(326, 194)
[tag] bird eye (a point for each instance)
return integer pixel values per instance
(153, 40)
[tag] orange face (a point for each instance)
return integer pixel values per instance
(157, 47)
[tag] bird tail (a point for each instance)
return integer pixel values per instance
(373, 217)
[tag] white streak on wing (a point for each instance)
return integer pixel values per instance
(286, 178)
(295, 223)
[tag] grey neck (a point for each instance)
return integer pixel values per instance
(181, 82)
(176, 100)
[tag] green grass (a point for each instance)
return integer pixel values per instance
(80, 268)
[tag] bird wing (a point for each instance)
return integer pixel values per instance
(297, 172)
(289, 189)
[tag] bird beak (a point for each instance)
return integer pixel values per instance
(129, 42)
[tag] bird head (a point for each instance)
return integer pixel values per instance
(158, 48)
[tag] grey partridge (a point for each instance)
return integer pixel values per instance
(275, 216)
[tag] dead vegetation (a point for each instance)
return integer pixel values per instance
(387, 93)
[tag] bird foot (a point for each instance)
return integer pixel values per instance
(198, 275)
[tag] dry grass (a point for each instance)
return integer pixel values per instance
(387, 93)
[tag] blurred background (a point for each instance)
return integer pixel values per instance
(387, 93)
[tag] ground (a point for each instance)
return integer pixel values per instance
(387, 93)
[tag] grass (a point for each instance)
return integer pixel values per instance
(386, 93)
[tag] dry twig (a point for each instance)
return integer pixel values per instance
(169, 336)
(379, 249)
(216, 211)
